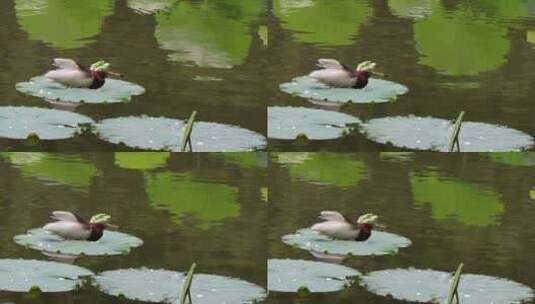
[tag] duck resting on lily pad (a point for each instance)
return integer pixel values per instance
(72, 74)
(339, 75)
(72, 227)
(337, 226)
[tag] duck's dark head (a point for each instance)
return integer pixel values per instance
(97, 230)
(365, 231)
(362, 79)
(99, 78)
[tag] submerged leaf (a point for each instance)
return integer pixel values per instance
(294, 275)
(377, 90)
(427, 133)
(290, 122)
(114, 90)
(379, 243)
(153, 133)
(164, 286)
(416, 285)
(111, 243)
(47, 124)
(26, 275)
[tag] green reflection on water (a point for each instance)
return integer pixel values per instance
(62, 24)
(468, 43)
(340, 170)
(470, 204)
(141, 160)
(325, 22)
(180, 195)
(513, 158)
(65, 169)
(214, 34)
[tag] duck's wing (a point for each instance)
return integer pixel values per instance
(68, 64)
(332, 216)
(65, 216)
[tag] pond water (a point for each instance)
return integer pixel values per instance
(473, 56)
(469, 208)
(185, 208)
(176, 55)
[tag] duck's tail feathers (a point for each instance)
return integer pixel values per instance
(64, 216)
(332, 216)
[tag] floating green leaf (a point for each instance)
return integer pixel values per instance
(416, 285)
(427, 133)
(163, 286)
(111, 243)
(182, 196)
(315, 124)
(377, 91)
(471, 204)
(62, 24)
(26, 275)
(114, 90)
(324, 22)
(161, 133)
(341, 170)
(210, 35)
(141, 160)
(379, 243)
(48, 124)
(64, 169)
(468, 44)
(294, 275)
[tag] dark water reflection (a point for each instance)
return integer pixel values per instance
(456, 55)
(471, 208)
(218, 220)
(163, 51)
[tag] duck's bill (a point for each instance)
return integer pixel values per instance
(112, 227)
(380, 226)
(378, 74)
(115, 74)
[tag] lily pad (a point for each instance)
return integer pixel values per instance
(427, 133)
(377, 90)
(112, 91)
(18, 275)
(294, 275)
(48, 124)
(289, 122)
(153, 133)
(416, 285)
(111, 243)
(164, 286)
(379, 243)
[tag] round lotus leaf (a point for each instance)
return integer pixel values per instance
(48, 124)
(163, 286)
(427, 133)
(112, 91)
(416, 285)
(111, 243)
(377, 90)
(18, 275)
(379, 243)
(294, 275)
(315, 124)
(153, 133)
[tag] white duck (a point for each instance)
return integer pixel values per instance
(72, 74)
(72, 227)
(337, 226)
(336, 74)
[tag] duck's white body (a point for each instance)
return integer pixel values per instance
(68, 226)
(334, 74)
(70, 74)
(336, 226)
